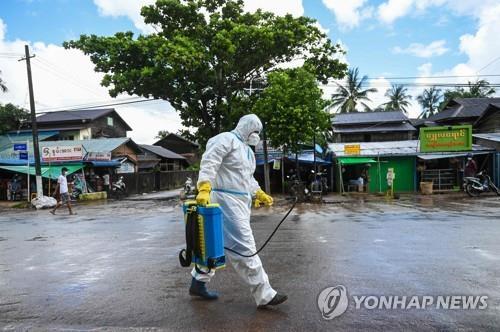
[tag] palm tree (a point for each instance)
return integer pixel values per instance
(429, 100)
(348, 97)
(399, 99)
(3, 87)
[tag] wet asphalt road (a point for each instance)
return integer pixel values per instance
(115, 266)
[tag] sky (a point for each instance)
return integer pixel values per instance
(421, 40)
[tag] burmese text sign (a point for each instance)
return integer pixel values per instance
(446, 138)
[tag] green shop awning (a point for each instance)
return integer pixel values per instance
(51, 172)
(354, 160)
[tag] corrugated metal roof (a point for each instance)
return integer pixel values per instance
(6, 141)
(386, 127)
(390, 148)
(161, 151)
(371, 149)
(368, 117)
(77, 115)
(495, 137)
(465, 108)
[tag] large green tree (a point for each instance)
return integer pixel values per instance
(429, 100)
(399, 99)
(351, 94)
(292, 108)
(11, 118)
(478, 89)
(204, 54)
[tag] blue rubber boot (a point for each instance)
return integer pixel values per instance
(199, 288)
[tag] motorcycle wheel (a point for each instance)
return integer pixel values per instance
(469, 188)
(495, 189)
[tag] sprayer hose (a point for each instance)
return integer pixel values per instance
(270, 236)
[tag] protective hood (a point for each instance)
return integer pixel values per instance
(247, 125)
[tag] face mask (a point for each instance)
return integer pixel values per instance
(253, 139)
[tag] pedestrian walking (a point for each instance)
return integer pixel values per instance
(62, 190)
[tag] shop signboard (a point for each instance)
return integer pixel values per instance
(98, 156)
(352, 149)
(446, 138)
(20, 147)
(126, 167)
(62, 153)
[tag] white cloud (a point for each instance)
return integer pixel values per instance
(132, 9)
(435, 48)
(378, 98)
(481, 48)
(278, 7)
(65, 78)
(350, 13)
(391, 10)
(3, 29)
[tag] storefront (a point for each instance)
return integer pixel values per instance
(439, 156)
(443, 156)
(371, 161)
(19, 174)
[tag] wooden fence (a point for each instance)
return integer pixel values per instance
(138, 183)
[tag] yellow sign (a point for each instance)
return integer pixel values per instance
(352, 149)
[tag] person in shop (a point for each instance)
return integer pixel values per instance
(15, 188)
(105, 178)
(470, 167)
(365, 175)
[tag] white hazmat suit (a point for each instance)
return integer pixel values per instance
(228, 165)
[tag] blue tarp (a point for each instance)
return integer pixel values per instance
(104, 163)
(304, 158)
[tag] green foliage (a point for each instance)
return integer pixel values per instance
(162, 134)
(399, 99)
(203, 56)
(478, 89)
(347, 98)
(292, 108)
(11, 118)
(429, 100)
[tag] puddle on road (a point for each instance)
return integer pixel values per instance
(38, 238)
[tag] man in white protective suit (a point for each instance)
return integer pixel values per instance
(226, 178)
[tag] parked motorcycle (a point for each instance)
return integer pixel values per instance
(189, 190)
(482, 183)
(298, 189)
(316, 187)
(119, 189)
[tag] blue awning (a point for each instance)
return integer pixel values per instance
(304, 158)
(104, 163)
(308, 158)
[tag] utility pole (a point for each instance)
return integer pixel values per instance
(267, 181)
(34, 127)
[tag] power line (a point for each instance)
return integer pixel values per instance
(106, 105)
(90, 104)
(67, 74)
(47, 69)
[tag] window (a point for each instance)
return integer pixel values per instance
(110, 121)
